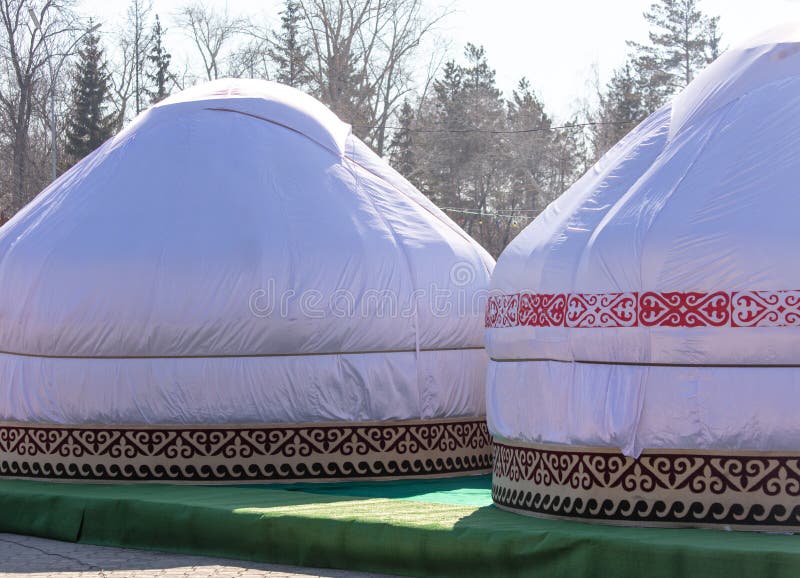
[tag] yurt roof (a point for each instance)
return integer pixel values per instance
(160, 242)
(682, 234)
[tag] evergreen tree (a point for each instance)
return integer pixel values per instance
(402, 145)
(158, 61)
(524, 104)
(622, 106)
(347, 91)
(461, 162)
(89, 125)
(288, 49)
(530, 153)
(682, 41)
(468, 107)
(491, 162)
(569, 157)
(714, 37)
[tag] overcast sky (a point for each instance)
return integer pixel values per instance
(555, 43)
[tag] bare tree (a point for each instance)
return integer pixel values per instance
(211, 31)
(123, 85)
(25, 47)
(127, 83)
(251, 59)
(363, 54)
(138, 12)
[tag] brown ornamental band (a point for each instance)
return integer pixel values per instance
(254, 453)
(743, 490)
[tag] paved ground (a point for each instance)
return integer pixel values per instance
(28, 557)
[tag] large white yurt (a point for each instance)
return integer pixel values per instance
(235, 288)
(644, 330)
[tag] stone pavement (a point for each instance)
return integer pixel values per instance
(27, 557)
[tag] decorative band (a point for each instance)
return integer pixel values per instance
(741, 490)
(276, 452)
(647, 309)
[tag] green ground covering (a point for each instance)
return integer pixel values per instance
(464, 491)
(419, 528)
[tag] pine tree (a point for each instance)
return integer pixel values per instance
(530, 153)
(402, 145)
(491, 162)
(479, 75)
(89, 125)
(622, 106)
(462, 162)
(288, 50)
(714, 37)
(568, 157)
(682, 40)
(158, 60)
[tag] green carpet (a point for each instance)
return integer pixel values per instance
(418, 528)
(464, 491)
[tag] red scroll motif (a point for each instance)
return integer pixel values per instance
(501, 311)
(649, 309)
(542, 309)
(765, 308)
(684, 309)
(601, 310)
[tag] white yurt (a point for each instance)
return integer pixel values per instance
(235, 288)
(644, 331)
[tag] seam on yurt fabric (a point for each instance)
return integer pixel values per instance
(614, 208)
(643, 363)
(378, 423)
(406, 260)
(452, 226)
(723, 113)
(242, 356)
(276, 123)
(735, 99)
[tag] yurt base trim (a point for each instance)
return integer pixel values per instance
(741, 490)
(245, 453)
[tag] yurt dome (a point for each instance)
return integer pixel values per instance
(644, 330)
(236, 288)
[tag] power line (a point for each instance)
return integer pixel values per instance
(497, 210)
(487, 215)
(490, 131)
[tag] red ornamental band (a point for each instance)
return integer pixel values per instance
(645, 309)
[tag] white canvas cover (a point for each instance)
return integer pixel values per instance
(656, 303)
(236, 255)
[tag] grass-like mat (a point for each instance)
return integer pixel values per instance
(463, 491)
(417, 530)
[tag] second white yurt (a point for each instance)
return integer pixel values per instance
(235, 288)
(645, 329)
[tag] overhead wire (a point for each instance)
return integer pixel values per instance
(493, 131)
(515, 219)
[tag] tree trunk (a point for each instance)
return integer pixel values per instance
(20, 163)
(19, 180)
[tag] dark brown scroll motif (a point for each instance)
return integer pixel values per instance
(742, 490)
(258, 453)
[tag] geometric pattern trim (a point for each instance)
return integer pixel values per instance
(257, 453)
(645, 309)
(674, 488)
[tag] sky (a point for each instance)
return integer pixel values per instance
(557, 44)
